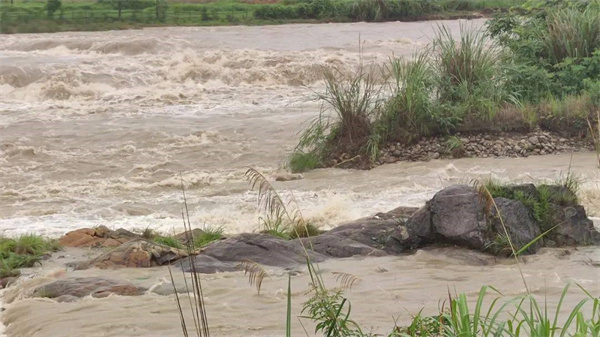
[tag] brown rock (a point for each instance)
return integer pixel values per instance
(138, 253)
(111, 243)
(102, 231)
(78, 238)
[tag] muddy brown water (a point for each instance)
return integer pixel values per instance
(96, 127)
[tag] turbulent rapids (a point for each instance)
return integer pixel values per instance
(96, 128)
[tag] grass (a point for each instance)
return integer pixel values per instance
(33, 16)
(168, 241)
(209, 235)
(23, 252)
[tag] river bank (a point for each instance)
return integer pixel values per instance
(34, 17)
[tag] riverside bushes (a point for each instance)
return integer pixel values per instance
(538, 69)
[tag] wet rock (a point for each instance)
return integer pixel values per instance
(416, 232)
(207, 265)
(7, 282)
(70, 289)
(573, 227)
(139, 253)
(97, 237)
(263, 249)
(534, 140)
(457, 215)
(519, 222)
(363, 237)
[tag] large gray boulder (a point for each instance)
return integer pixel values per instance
(457, 216)
(519, 222)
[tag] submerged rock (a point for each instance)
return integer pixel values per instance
(134, 254)
(70, 289)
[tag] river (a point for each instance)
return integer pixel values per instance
(97, 127)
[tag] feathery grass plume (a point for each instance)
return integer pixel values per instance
(330, 310)
(346, 280)
(256, 274)
(269, 200)
(197, 306)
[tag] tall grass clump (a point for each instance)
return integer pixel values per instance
(350, 102)
(409, 113)
(469, 71)
(23, 252)
(571, 33)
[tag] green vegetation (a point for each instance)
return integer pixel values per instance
(23, 252)
(30, 16)
(168, 241)
(536, 68)
(208, 235)
(204, 238)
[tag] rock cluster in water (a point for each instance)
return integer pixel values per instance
(481, 145)
(459, 215)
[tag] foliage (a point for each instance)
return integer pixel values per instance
(168, 241)
(23, 252)
(208, 235)
(553, 49)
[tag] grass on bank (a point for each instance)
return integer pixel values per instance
(518, 75)
(21, 16)
(23, 252)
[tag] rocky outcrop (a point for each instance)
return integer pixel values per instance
(71, 289)
(134, 254)
(458, 215)
(97, 237)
